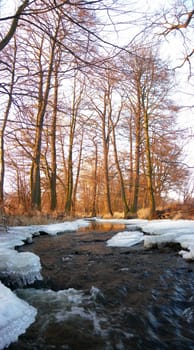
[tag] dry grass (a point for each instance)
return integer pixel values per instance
(175, 211)
(118, 215)
(143, 213)
(26, 220)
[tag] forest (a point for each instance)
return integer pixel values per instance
(88, 121)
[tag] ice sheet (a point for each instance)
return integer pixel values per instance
(157, 233)
(16, 316)
(163, 232)
(19, 268)
(50, 229)
(125, 239)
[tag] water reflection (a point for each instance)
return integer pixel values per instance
(102, 227)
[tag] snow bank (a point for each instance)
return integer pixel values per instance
(158, 233)
(15, 237)
(15, 316)
(54, 229)
(162, 232)
(25, 232)
(158, 227)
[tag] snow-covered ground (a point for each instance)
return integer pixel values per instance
(24, 268)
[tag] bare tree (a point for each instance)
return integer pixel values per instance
(103, 109)
(148, 95)
(42, 104)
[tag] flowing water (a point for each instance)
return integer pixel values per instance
(94, 297)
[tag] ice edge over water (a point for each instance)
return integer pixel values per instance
(21, 269)
(158, 233)
(15, 316)
(25, 268)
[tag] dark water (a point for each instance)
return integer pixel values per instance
(109, 298)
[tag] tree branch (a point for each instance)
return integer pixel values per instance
(14, 24)
(180, 25)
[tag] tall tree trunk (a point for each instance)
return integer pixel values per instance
(122, 184)
(69, 184)
(2, 131)
(42, 104)
(76, 100)
(131, 171)
(94, 197)
(149, 167)
(105, 137)
(107, 186)
(53, 174)
(69, 181)
(77, 174)
(134, 205)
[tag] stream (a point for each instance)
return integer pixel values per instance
(95, 297)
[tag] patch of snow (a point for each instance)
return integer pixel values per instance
(158, 227)
(125, 239)
(15, 316)
(54, 229)
(156, 233)
(137, 222)
(163, 232)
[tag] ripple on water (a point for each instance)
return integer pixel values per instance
(71, 319)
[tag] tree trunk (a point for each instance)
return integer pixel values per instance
(123, 194)
(42, 104)
(106, 136)
(69, 181)
(69, 185)
(76, 100)
(2, 131)
(77, 175)
(149, 167)
(94, 197)
(53, 175)
(134, 206)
